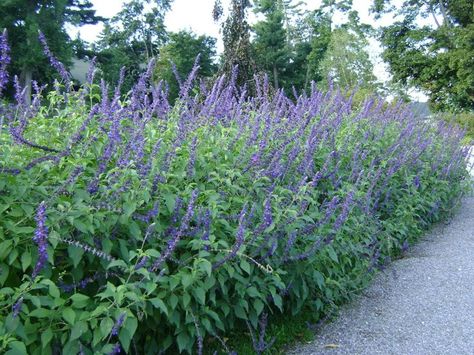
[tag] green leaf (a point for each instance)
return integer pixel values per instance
(53, 290)
(170, 201)
(117, 263)
(75, 253)
(186, 299)
(187, 280)
(245, 266)
(253, 292)
(258, 305)
(5, 248)
(129, 208)
(78, 330)
(23, 230)
(17, 348)
(79, 300)
(278, 301)
(319, 278)
(332, 254)
(25, 260)
(127, 332)
(81, 226)
(106, 326)
(40, 313)
(200, 295)
(69, 315)
(46, 337)
(158, 303)
(239, 311)
(205, 266)
(183, 340)
(173, 301)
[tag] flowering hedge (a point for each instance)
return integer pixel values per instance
(128, 225)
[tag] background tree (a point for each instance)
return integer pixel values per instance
(236, 37)
(320, 30)
(347, 62)
(132, 38)
(438, 58)
(182, 49)
(23, 19)
(271, 43)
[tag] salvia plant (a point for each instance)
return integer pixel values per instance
(128, 225)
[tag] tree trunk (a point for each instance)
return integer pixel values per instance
(306, 79)
(444, 13)
(275, 76)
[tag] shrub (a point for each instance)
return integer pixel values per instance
(129, 225)
(465, 120)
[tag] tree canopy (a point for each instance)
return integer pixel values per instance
(181, 51)
(24, 18)
(436, 58)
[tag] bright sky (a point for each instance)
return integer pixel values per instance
(196, 15)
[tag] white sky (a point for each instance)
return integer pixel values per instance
(196, 15)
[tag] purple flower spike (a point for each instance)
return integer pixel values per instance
(17, 307)
(416, 182)
(40, 238)
(4, 60)
(116, 350)
(118, 324)
(55, 63)
(239, 240)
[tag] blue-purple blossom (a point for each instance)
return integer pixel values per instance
(345, 211)
(118, 324)
(150, 215)
(177, 234)
(17, 307)
(186, 86)
(40, 238)
(82, 284)
(55, 63)
(192, 157)
(4, 60)
(416, 181)
(206, 222)
(142, 263)
(239, 240)
(117, 349)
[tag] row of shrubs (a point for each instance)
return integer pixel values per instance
(131, 226)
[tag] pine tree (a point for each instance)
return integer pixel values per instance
(271, 43)
(237, 46)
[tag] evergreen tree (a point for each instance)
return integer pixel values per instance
(271, 43)
(236, 37)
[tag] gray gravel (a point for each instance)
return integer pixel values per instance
(421, 304)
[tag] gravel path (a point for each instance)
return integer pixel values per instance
(421, 304)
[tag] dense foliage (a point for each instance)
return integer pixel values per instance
(131, 38)
(130, 225)
(436, 58)
(177, 59)
(23, 19)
